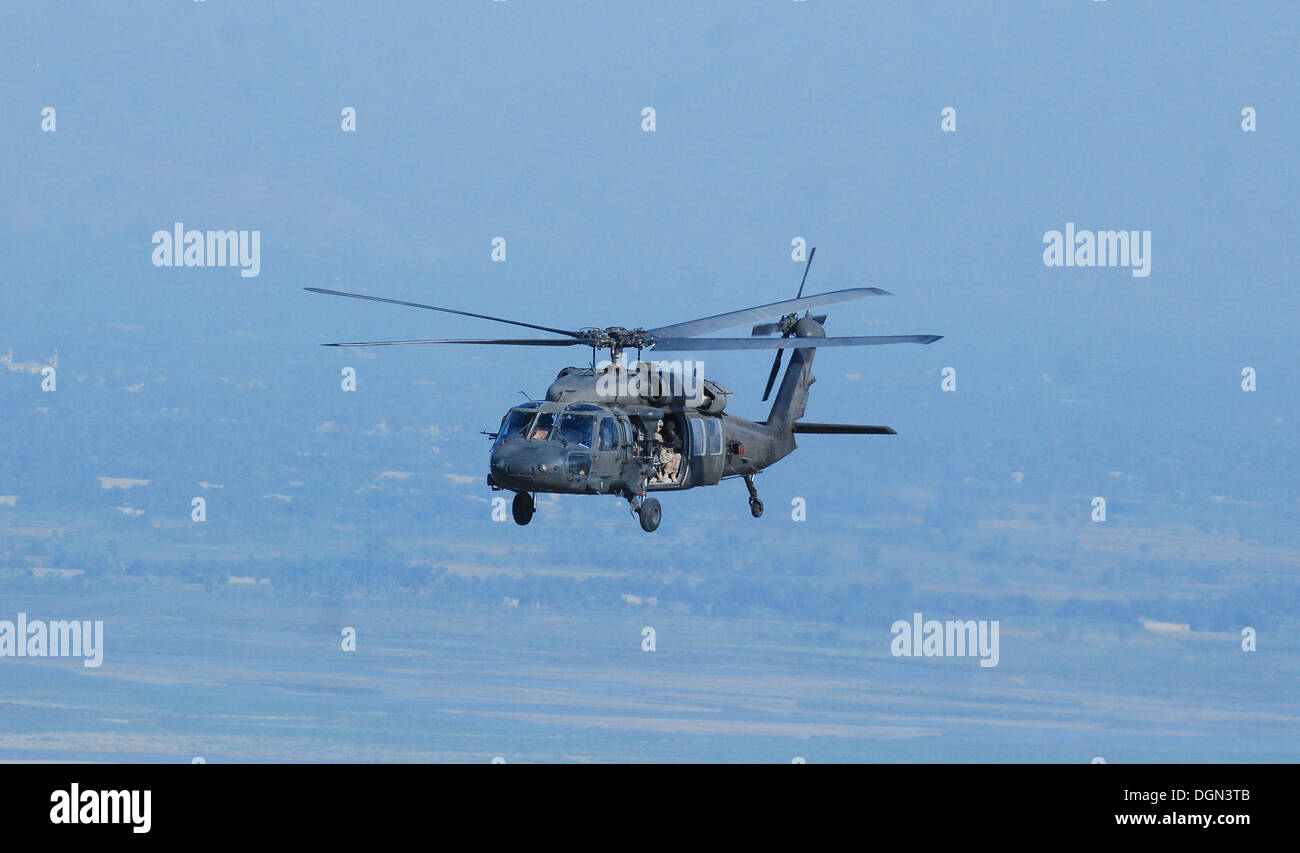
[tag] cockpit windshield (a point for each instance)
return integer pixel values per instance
(542, 429)
(514, 424)
(527, 423)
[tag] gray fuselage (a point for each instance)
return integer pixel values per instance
(628, 431)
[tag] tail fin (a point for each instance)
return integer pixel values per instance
(792, 398)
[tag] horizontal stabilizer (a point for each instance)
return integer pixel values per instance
(841, 429)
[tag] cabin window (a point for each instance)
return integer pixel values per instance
(608, 434)
(714, 427)
(697, 437)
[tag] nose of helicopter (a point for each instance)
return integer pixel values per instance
(528, 466)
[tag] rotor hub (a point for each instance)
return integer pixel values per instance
(616, 339)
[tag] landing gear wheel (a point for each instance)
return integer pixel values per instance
(650, 514)
(755, 505)
(523, 508)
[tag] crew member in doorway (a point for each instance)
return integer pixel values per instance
(670, 457)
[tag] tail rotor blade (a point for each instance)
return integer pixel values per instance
(772, 328)
(771, 377)
(807, 267)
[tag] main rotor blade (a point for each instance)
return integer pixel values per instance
(515, 342)
(446, 310)
(771, 377)
(718, 322)
(699, 344)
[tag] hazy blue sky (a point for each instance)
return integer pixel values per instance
(774, 120)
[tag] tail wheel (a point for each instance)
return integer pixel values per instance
(523, 508)
(756, 507)
(650, 514)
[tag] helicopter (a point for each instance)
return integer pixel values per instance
(633, 430)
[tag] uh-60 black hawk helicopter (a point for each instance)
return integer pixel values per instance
(615, 429)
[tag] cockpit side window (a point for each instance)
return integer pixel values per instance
(608, 434)
(577, 429)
